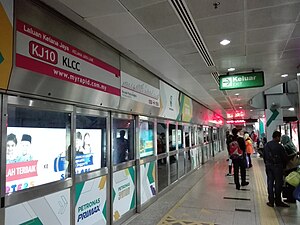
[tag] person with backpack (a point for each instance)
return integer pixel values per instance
(275, 161)
(237, 151)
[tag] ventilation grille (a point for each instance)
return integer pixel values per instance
(190, 26)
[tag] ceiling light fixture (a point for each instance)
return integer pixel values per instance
(231, 69)
(224, 42)
(298, 74)
(291, 109)
(237, 94)
(284, 75)
(240, 107)
(251, 110)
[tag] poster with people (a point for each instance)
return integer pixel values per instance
(37, 156)
(31, 155)
(88, 150)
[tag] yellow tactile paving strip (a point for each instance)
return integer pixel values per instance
(169, 220)
(267, 214)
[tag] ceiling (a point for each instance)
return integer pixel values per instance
(264, 35)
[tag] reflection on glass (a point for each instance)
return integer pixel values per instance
(187, 136)
(37, 142)
(180, 136)
(181, 164)
(146, 138)
(90, 149)
(161, 138)
(188, 161)
(123, 140)
(162, 175)
(172, 137)
(173, 168)
(193, 133)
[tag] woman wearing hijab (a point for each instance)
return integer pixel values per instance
(292, 156)
(249, 148)
(290, 150)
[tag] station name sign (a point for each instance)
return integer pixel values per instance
(242, 80)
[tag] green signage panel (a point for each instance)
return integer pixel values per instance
(242, 80)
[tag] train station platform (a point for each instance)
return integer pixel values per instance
(208, 197)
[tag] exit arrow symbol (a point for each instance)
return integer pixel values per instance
(226, 81)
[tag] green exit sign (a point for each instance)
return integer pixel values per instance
(242, 80)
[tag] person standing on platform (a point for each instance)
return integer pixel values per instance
(275, 161)
(229, 138)
(249, 149)
(237, 151)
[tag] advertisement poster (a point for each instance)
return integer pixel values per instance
(48, 210)
(6, 40)
(146, 139)
(295, 134)
(88, 150)
(179, 137)
(137, 90)
(186, 108)
(123, 192)
(169, 101)
(34, 156)
(90, 200)
(45, 54)
(147, 177)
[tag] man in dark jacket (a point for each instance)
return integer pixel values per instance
(239, 163)
(275, 160)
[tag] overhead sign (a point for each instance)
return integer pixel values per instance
(241, 80)
(45, 54)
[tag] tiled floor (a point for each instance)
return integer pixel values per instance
(199, 199)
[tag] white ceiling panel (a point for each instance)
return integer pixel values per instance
(290, 54)
(273, 16)
(118, 25)
(171, 35)
(181, 48)
(228, 52)
(156, 16)
(269, 47)
(213, 42)
(204, 8)
(221, 24)
(134, 4)
(92, 8)
(270, 34)
(293, 43)
(296, 32)
(254, 4)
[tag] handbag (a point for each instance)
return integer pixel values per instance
(293, 178)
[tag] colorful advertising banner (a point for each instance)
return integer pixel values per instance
(48, 210)
(147, 177)
(137, 90)
(37, 156)
(123, 192)
(45, 54)
(32, 157)
(295, 137)
(90, 200)
(169, 101)
(146, 139)
(88, 150)
(6, 41)
(186, 108)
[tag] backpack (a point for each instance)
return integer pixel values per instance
(234, 150)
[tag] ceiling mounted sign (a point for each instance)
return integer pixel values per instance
(242, 80)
